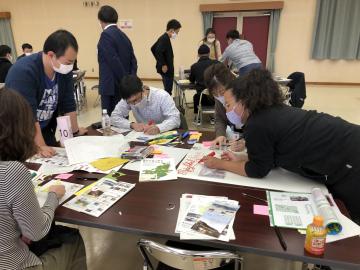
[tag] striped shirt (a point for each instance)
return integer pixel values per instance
(159, 107)
(21, 215)
(240, 53)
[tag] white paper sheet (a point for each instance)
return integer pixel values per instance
(70, 189)
(86, 149)
(176, 153)
(277, 179)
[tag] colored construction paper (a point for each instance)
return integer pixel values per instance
(207, 143)
(261, 210)
(105, 164)
(64, 176)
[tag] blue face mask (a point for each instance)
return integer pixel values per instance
(221, 99)
(234, 118)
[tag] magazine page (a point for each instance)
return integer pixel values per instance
(216, 218)
(99, 197)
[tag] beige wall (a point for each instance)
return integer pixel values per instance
(32, 21)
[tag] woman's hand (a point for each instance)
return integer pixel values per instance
(59, 190)
(213, 162)
(221, 140)
(230, 156)
(237, 146)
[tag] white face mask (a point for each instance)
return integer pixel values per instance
(142, 103)
(173, 35)
(28, 53)
(63, 69)
(210, 40)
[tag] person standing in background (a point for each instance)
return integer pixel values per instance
(241, 53)
(115, 56)
(27, 50)
(213, 43)
(163, 53)
(5, 61)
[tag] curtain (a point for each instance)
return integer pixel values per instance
(6, 36)
(207, 20)
(336, 30)
(273, 33)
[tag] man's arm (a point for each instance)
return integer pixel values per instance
(192, 74)
(43, 149)
(120, 114)
(171, 114)
(159, 52)
(76, 130)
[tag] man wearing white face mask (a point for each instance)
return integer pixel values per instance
(5, 61)
(163, 53)
(45, 80)
(153, 109)
(27, 50)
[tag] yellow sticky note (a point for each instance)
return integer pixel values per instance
(156, 152)
(105, 164)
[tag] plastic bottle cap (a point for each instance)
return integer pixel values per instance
(104, 111)
(318, 221)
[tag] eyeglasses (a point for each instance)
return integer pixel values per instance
(135, 100)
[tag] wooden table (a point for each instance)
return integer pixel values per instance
(144, 211)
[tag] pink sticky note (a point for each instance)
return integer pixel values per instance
(161, 156)
(64, 176)
(207, 143)
(261, 210)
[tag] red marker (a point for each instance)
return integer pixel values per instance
(212, 154)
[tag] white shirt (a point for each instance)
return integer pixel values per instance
(111, 24)
(160, 108)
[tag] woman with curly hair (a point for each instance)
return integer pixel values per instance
(315, 145)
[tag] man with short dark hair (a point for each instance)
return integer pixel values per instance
(197, 77)
(154, 109)
(163, 53)
(27, 50)
(241, 53)
(5, 61)
(115, 56)
(45, 80)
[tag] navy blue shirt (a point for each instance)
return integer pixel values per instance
(48, 103)
(27, 76)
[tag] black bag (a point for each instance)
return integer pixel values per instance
(57, 236)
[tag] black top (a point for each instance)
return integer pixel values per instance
(315, 145)
(21, 56)
(5, 65)
(163, 53)
(197, 72)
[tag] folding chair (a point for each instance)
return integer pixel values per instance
(186, 259)
(204, 109)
